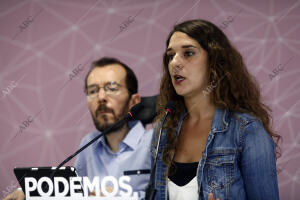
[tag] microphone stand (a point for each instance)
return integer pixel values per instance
(127, 117)
(151, 190)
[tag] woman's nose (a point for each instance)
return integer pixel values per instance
(176, 64)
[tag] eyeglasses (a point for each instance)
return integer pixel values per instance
(110, 88)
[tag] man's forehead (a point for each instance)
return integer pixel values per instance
(107, 73)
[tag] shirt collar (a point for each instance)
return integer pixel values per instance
(134, 135)
(136, 131)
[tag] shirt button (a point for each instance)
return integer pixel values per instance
(138, 172)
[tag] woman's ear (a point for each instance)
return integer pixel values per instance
(135, 99)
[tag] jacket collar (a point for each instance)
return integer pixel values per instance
(219, 124)
(220, 121)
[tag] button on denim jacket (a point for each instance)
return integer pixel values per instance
(238, 161)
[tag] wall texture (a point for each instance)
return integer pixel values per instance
(46, 48)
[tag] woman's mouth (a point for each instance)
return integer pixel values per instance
(178, 79)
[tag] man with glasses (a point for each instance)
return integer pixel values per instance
(111, 88)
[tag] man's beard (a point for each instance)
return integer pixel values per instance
(101, 126)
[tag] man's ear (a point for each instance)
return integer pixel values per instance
(135, 99)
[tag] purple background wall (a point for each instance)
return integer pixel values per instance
(43, 42)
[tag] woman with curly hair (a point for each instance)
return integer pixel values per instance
(218, 144)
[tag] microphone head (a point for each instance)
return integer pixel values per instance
(170, 107)
(133, 111)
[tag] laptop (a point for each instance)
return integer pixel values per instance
(38, 172)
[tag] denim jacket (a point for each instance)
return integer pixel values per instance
(238, 161)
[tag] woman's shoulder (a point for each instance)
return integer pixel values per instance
(225, 118)
(245, 118)
(250, 126)
(244, 123)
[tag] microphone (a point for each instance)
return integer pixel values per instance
(133, 111)
(151, 191)
(129, 116)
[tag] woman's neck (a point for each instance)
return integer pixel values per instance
(199, 107)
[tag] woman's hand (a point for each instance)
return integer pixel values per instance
(211, 197)
(108, 189)
(16, 195)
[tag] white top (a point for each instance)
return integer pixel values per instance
(186, 192)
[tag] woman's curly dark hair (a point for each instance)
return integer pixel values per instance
(238, 91)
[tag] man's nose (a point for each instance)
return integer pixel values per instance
(102, 94)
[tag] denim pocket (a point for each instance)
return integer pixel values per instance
(219, 170)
